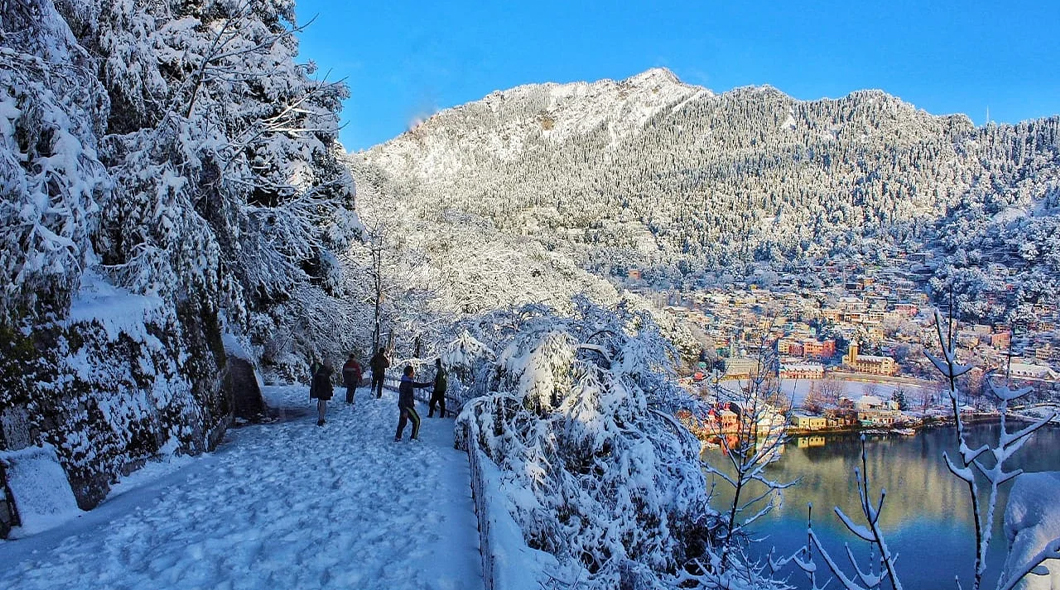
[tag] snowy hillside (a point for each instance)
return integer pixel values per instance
(671, 179)
(441, 266)
(503, 123)
(168, 180)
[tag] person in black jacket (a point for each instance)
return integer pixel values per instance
(379, 365)
(407, 405)
(321, 390)
(438, 393)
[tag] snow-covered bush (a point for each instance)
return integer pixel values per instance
(51, 178)
(576, 413)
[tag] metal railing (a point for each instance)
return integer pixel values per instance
(480, 497)
(453, 405)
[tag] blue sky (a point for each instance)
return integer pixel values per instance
(403, 59)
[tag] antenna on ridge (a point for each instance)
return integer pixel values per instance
(987, 116)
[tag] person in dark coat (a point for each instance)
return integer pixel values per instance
(379, 365)
(351, 375)
(321, 390)
(441, 383)
(407, 404)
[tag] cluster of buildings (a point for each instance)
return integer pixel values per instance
(730, 422)
(868, 410)
(876, 326)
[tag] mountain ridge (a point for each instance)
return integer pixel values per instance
(671, 179)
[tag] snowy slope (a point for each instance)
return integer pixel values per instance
(502, 122)
(670, 179)
(282, 505)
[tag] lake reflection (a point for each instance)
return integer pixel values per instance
(926, 517)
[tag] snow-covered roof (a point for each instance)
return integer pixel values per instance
(1028, 369)
(870, 400)
(802, 367)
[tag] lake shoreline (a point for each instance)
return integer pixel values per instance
(925, 423)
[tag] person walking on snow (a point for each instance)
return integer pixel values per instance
(351, 375)
(407, 404)
(379, 365)
(438, 393)
(321, 390)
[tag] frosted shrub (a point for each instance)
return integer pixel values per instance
(596, 474)
(51, 178)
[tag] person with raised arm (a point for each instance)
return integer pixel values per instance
(407, 404)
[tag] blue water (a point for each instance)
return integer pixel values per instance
(926, 518)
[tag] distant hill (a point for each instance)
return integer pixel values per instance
(686, 185)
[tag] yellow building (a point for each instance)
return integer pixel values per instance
(803, 422)
(869, 364)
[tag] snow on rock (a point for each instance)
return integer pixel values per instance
(233, 347)
(281, 505)
(121, 363)
(558, 112)
(1032, 521)
(116, 310)
(42, 493)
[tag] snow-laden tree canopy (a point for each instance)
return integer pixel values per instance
(181, 140)
(51, 177)
(576, 412)
(174, 158)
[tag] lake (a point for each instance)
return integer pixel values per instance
(926, 518)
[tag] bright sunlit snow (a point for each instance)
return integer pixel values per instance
(281, 505)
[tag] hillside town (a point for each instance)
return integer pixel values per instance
(852, 354)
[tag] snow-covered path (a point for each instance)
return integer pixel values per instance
(282, 505)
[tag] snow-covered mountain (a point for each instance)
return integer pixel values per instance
(507, 123)
(674, 180)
